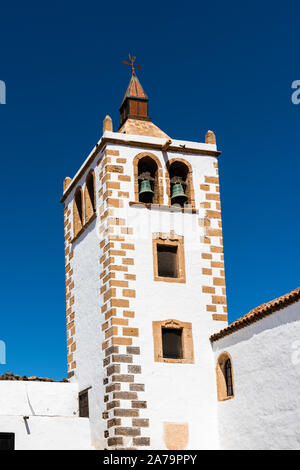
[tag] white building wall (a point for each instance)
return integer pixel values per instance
(52, 411)
(265, 411)
(179, 393)
(88, 318)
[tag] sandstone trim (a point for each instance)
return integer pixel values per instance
(190, 187)
(212, 253)
(121, 337)
(220, 377)
(158, 183)
(187, 341)
(170, 239)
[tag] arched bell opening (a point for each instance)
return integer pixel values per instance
(90, 196)
(78, 211)
(179, 183)
(148, 180)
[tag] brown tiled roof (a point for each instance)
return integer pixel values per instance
(134, 89)
(258, 313)
(11, 376)
(139, 127)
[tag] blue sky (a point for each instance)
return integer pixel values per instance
(225, 66)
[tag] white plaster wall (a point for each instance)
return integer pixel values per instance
(88, 317)
(52, 409)
(146, 222)
(175, 392)
(265, 412)
(48, 432)
(38, 398)
(183, 393)
(180, 393)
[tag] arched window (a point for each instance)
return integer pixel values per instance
(224, 377)
(148, 178)
(77, 212)
(89, 196)
(228, 378)
(180, 183)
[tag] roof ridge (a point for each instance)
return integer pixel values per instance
(258, 313)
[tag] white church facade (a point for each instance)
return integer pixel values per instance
(264, 348)
(151, 358)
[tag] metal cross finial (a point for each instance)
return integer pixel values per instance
(132, 60)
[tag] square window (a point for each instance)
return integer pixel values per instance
(7, 441)
(172, 343)
(167, 261)
(84, 404)
(168, 257)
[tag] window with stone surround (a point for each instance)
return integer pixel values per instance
(224, 374)
(173, 341)
(168, 257)
(78, 211)
(147, 177)
(89, 196)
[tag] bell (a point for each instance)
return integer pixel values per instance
(178, 194)
(146, 193)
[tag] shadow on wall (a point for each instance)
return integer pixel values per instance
(26, 418)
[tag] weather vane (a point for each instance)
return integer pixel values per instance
(132, 60)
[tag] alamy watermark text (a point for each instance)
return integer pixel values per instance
(2, 92)
(296, 94)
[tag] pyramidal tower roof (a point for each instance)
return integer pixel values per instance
(134, 89)
(134, 118)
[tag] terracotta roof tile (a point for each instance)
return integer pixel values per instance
(258, 313)
(134, 89)
(139, 127)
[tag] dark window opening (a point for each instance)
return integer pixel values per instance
(178, 173)
(147, 179)
(91, 189)
(228, 378)
(78, 201)
(167, 261)
(7, 441)
(172, 343)
(84, 404)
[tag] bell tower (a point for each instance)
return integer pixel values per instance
(145, 283)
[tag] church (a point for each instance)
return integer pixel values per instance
(152, 361)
